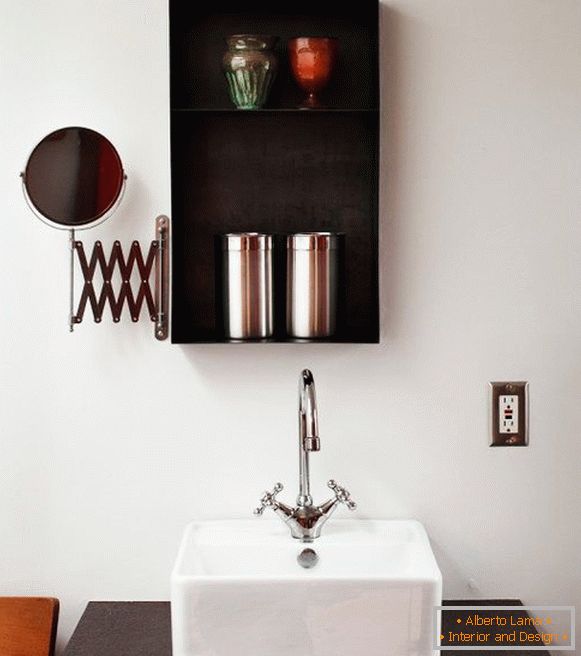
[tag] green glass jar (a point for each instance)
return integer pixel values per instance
(250, 66)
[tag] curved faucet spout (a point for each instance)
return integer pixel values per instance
(308, 418)
(308, 435)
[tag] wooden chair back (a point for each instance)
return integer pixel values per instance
(28, 626)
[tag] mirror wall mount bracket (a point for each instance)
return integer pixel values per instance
(162, 273)
(137, 266)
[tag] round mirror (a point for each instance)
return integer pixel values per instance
(74, 178)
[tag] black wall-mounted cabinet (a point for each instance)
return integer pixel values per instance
(279, 169)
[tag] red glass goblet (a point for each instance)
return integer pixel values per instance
(312, 59)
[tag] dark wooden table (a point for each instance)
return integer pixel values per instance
(143, 628)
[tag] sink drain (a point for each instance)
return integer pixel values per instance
(308, 558)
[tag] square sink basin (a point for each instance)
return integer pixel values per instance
(237, 589)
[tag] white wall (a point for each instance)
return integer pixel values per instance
(111, 441)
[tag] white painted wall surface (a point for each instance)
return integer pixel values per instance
(110, 441)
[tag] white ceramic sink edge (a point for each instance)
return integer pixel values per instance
(213, 537)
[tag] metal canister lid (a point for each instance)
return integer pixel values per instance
(246, 241)
(313, 241)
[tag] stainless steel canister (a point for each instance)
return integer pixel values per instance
(312, 269)
(247, 258)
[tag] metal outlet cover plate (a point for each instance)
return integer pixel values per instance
(511, 388)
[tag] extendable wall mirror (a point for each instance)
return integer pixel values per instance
(74, 180)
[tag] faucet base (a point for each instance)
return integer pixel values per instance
(305, 522)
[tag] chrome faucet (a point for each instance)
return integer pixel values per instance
(306, 520)
(308, 435)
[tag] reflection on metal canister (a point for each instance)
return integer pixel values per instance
(247, 258)
(312, 269)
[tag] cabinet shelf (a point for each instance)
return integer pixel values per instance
(280, 169)
(275, 110)
(274, 340)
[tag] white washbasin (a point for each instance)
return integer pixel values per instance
(237, 590)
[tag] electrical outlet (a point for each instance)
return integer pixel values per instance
(509, 413)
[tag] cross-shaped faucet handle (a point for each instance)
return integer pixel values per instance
(342, 494)
(268, 499)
